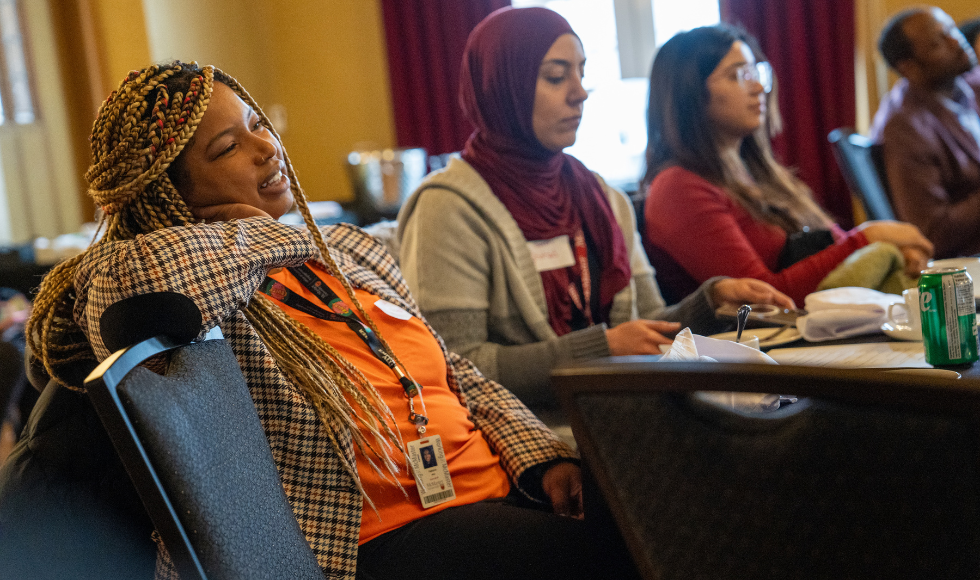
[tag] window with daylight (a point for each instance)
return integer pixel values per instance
(39, 186)
(620, 38)
(16, 100)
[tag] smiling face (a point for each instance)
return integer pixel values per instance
(559, 94)
(232, 159)
(736, 105)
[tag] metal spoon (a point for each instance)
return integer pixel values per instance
(742, 316)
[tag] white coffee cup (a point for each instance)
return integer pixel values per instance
(911, 320)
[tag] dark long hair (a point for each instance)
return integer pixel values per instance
(680, 133)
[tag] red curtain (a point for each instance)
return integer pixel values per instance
(425, 47)
(811, 48)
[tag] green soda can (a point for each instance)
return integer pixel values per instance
(949, 316)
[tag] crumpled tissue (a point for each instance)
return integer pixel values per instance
(688, 346)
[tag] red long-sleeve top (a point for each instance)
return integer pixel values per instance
(694, 230)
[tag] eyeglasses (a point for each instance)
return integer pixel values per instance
(760, 72)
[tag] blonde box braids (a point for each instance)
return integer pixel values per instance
(139, 132)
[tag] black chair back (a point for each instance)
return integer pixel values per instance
(859, 162)
(874, 475)
(192, 443)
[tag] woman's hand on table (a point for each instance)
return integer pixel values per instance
(739, 291)
(640, 336)
(915, 261)
(916, 249)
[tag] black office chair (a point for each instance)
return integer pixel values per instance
(875, 475)
(67, 507)
(860, 163)
(192, 443)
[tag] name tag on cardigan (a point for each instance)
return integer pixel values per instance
(551, 254)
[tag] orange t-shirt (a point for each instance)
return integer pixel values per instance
(474, 467)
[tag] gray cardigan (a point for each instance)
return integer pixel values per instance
(471, 272)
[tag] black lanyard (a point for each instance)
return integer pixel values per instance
(339, 312)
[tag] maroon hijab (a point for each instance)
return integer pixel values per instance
(548, 194)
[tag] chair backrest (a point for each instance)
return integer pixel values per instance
(855, 156)
(873, 475)
(193, 444)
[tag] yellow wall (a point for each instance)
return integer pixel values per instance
(97, 43)
(322, 64)
(874, 78)
(229, 34)
(332, 78)
(958, 9)
(120, 29)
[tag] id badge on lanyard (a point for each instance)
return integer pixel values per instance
(431, 471)
(426, 457)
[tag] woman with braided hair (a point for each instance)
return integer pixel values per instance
(192, 178)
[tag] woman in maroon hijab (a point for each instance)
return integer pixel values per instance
(517, 254)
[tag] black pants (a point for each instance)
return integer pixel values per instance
(504, 538)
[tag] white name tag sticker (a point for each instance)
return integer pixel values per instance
(551, 254)
(431, 471)
(392, 310)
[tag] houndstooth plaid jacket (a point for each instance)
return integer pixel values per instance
(220, 266)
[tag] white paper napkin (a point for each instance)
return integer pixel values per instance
(729, 351)
(683, 348)
(849, 298)
(844, 312)
(692, 347)
(688, 346)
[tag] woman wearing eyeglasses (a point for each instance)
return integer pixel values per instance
(718, 202)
